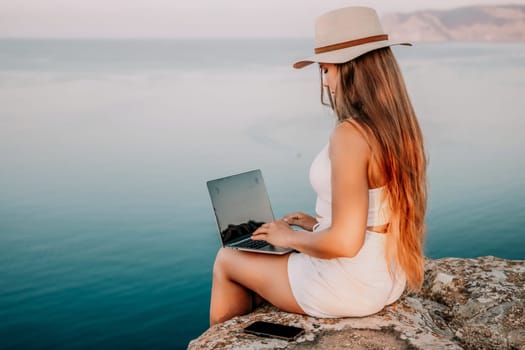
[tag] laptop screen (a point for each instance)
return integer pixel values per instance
(240, 203)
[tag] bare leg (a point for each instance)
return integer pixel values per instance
(257, 300)
(236, 274)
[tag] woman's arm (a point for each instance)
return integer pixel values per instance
(349, 155)
(304, 221)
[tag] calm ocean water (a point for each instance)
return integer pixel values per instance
(107, 237)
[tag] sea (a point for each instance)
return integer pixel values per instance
(107, 234)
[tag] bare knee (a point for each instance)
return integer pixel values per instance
(221, 262)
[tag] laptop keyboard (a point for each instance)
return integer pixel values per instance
(252, 244)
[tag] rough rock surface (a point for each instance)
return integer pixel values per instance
(464, 304)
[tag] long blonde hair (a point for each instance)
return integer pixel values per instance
(371, 92)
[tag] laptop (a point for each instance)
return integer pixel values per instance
(241, 204)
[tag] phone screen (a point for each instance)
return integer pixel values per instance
(267, 329)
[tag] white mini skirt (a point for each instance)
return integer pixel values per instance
(345, 287)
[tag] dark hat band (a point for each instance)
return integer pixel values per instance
(350, 43)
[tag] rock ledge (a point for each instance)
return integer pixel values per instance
(464, 304)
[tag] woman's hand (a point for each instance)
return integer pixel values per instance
(276, 232)
(300, 219)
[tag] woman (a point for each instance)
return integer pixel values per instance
(366, 243)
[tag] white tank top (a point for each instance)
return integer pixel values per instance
(320, 178)
(345, 287)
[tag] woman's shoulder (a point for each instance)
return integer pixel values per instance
(349, 135)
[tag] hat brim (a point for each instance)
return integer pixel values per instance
(346, 54)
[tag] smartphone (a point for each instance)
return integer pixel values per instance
(274, 330)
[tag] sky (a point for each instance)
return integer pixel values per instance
(193, 18)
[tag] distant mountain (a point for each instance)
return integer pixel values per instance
(473, 23)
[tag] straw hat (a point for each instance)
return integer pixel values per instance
(344, 34)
